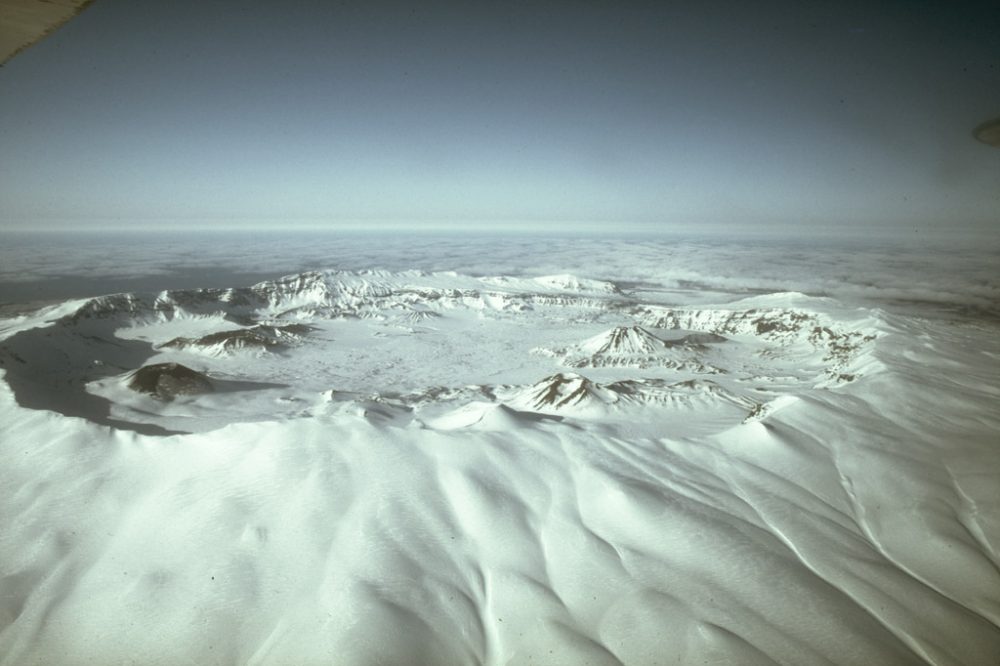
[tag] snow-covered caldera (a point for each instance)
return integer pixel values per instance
(437, 468)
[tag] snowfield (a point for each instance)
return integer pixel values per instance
(430, 467)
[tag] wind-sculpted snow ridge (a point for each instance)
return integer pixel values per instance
(435, 468)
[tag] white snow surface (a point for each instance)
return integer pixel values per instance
(438, 468)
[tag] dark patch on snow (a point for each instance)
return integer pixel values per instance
(167, 380)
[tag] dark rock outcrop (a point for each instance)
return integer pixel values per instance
(167, 380)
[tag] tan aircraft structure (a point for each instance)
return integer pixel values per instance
(989, 132)
(25, 22)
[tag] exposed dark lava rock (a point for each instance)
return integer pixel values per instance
(166, 380)
(261, 336)
(628, 340)
(562, 390)
(699, 338)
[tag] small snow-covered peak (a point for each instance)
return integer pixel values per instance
(626, 340)
(564, 389)
(637, 347)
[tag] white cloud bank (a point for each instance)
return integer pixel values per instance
(947, 275)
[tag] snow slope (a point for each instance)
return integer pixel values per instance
(435, 468)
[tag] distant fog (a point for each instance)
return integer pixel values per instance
(49, 266)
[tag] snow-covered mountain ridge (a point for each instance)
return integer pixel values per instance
(436, 468)
(372, 330)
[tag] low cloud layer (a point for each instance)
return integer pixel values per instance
(887, 274)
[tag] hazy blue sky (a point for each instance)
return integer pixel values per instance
(545, 113)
